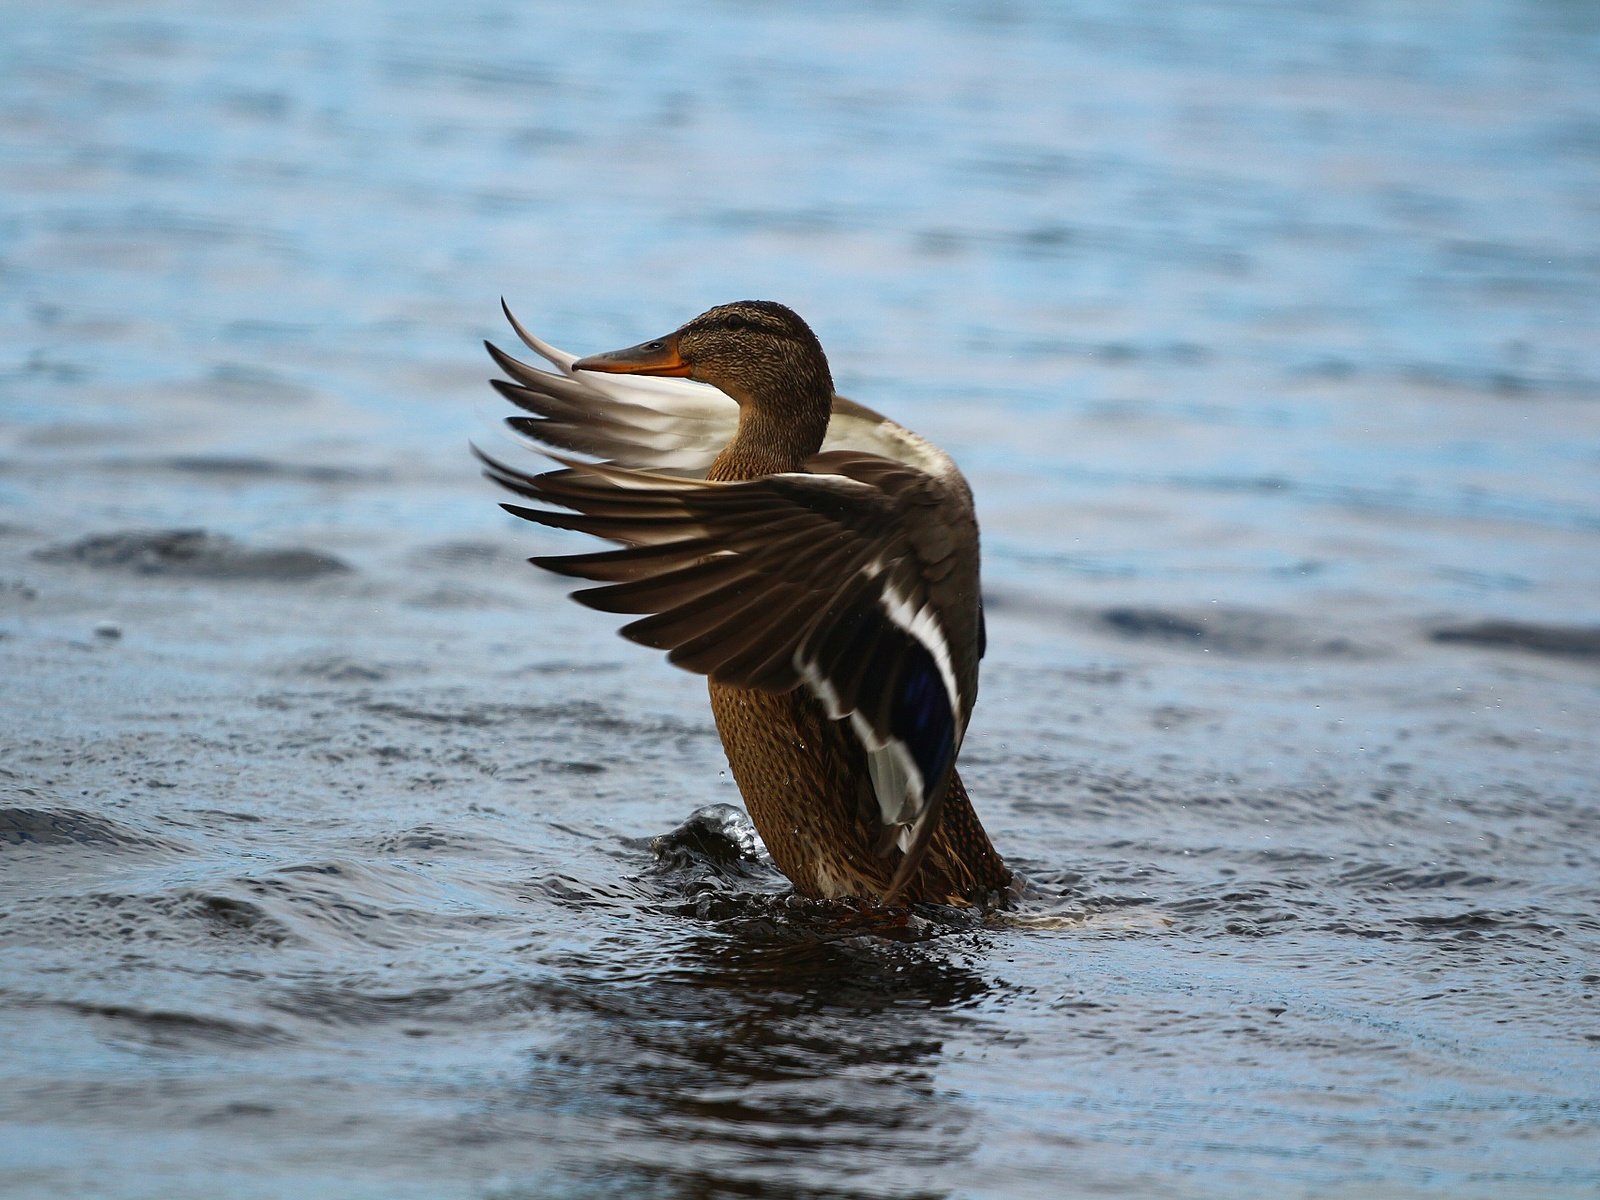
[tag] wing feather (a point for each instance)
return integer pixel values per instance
(856, 579)
(678, 425)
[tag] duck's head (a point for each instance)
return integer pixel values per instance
(757, 351)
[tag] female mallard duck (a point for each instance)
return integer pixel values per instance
(816, 561)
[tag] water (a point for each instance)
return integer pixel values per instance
(1267, 336)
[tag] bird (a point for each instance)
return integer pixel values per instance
(816, 561)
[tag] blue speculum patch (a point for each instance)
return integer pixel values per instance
(921, 716)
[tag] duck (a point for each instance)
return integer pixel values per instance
(817, 562)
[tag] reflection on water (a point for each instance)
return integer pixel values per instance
(756, 1054)
(779, 1033)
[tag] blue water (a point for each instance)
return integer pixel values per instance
(1269, 337)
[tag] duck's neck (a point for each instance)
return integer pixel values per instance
(777, 433)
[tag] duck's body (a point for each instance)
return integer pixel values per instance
(830, 597)
(807, 787)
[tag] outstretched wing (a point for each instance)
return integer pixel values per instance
(672, 425)
(659, 424)
(856, 580)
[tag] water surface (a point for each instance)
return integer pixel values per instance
(1269, 336)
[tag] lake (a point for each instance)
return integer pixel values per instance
(337, 848)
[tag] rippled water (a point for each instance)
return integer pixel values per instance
(335, 850)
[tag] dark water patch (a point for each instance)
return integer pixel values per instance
(1262, 901)
(446, 1003)
(1235, 632)
(567, 666)
(206, 819)
(1153, 623)
(1465, 503)
(338, 904)
(171, 1029)
(740, 1053)
(540, 770)
(17, 593)
(244, 467)
(1082, 565)
(1167, 717)
(1499, 807)
(1100, 798)
(477, 716)
(1240, 632)
(843, 982)
(463, 553)
(1037, 785)
(588, 894)
(163, 921)
(430, 840)
(644, 1181)
(76, 1099)
(54, 826)
(1095, 676)
(446, 597)
(717, 1057)
(1027, 165)
(192, 554)
(1124, 352)
(57, 370)
(250, 383)
(1483, 921)
(259, 329)
(242, 919)
(236, 1110)
(337, 668)
(1048, 881)
(586, 715)
(1567, 641)
(384, 905)
(1047, 240)
(266, 330)
(803, 222)
(58, 435)
(413, 67)
(1481, 581)
(537, 768)
(1321, 366)
(363, 1003)
(1386, 877)
(572, 766)
(145, 223)
(1506, 380)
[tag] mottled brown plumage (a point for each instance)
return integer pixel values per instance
(805, 784)
(831, 598)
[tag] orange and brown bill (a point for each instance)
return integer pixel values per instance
(657, 357)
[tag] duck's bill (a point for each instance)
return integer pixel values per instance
(658, 357)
